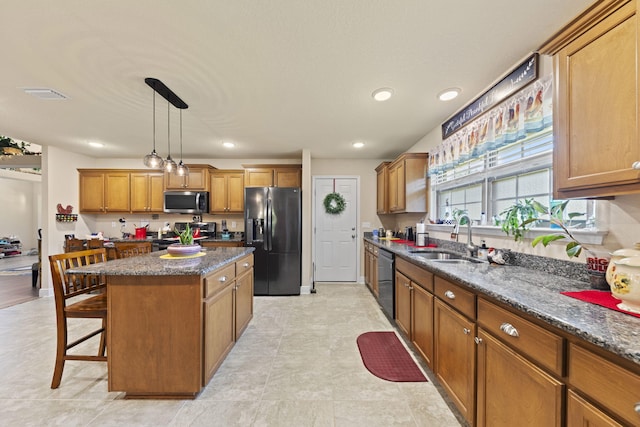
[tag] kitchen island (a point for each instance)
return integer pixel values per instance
(172, 321)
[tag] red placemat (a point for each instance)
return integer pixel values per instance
(602, 298)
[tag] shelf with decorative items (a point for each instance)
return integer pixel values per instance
(66, 217)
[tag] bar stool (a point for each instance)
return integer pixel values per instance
(131, 249)
(66, 288)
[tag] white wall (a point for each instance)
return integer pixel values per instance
(60, 185)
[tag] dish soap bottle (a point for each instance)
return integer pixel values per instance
(483, 250)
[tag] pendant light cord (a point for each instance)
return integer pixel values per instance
(154, 121)
(181, 135)
(169, 128)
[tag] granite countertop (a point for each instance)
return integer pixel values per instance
(537, 293)
(152, 265)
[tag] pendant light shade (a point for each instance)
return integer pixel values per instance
(182, 169)
(152, 160)
(169, 165)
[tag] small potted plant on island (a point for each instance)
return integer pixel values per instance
(186, 245)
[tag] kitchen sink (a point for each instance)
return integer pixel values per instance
(458, 261)
(435, 255)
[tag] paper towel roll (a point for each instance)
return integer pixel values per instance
(421, 234)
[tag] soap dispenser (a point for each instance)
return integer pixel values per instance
(483, 250)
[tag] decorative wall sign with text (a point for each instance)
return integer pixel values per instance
(524, 74)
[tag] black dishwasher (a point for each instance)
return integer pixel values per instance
(386, 288)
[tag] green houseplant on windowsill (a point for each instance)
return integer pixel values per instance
(518, 218)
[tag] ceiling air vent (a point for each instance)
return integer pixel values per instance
(45, 93)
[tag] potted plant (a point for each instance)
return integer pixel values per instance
(186, 245)
(518, 218)
(556, 218)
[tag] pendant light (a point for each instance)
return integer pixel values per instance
(152, 160)
(169, 165)
(182, 169)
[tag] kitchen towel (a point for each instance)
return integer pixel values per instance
(385, 357)
(602, 298)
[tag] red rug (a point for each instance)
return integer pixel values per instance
(602, 298)
(385, 357)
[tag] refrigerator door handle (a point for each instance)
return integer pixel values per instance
(268, 234)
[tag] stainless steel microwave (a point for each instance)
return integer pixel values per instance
(192, 202)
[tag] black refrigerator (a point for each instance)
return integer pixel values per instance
(273, 225)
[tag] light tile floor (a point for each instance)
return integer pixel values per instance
(297, 364)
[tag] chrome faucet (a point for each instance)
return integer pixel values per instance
(472, 250)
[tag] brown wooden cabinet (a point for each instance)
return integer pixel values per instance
(414, 306)
(454, 345)
(407, 183)
(607, 385)
(371, 267)
(455, 357)
(228, 308)
(243, 295)
(226, 192)
(197, 179)
(221, 244)
(382, 193)
(596, 112)
(510, 387)
(403, 303)
(581, 413)
(104, 191)
(284, 175)
(147, 192)
(219, 334)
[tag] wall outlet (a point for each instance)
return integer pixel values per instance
(233, 224)
(113, 224)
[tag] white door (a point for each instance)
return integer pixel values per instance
(336, 235)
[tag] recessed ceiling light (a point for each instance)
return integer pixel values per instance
(228, 144)
(449, 94)
(382, 94)
(96, 144)
(358, 144)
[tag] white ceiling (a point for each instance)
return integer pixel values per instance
(274, 77)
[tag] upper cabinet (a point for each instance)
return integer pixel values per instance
(197, 179)
(147, 191)
(272, 175)
(407, 184)
(596, 132)
(227, 192)
(382, 197)
(104, 191)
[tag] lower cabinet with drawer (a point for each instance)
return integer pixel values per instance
(228, 308)
(609, 390)
(454, 346)
(414, 306)
(511, 383)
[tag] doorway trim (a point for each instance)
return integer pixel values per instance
(314, 180)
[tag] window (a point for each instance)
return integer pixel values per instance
(500, 178)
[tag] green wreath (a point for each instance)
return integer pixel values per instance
(334, 203)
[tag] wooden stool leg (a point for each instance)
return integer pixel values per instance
(61, 353)
(103, 338)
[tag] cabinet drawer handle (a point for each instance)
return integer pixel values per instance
(509, 329)
(478, 340)
(635, 165)
(245, 265)
(450, 295)
(222, 279)
(637, 407)
(466, 331)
